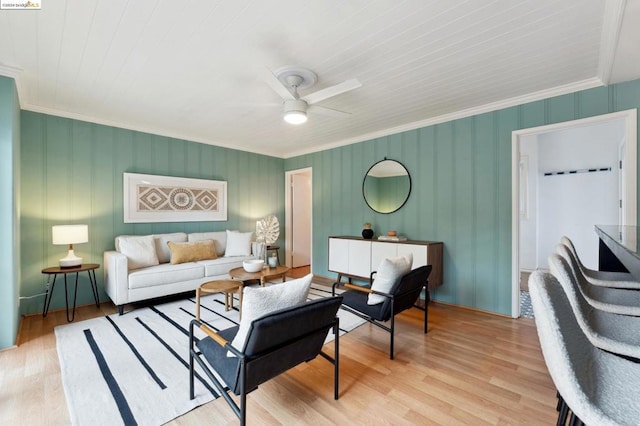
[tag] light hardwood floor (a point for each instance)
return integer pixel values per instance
(471, 368)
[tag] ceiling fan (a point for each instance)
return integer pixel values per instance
(287, 81)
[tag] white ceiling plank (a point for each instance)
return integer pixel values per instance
(104, 27)
(50, 32)
(78, 21)
(7, 52)
(476, 43)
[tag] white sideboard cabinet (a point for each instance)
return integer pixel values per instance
(356, 257)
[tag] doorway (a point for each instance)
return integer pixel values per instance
(558, 189)
(298, 218)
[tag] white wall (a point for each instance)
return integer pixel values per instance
(529, 203)
(572, 204)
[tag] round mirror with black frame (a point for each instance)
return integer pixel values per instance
(386, 186)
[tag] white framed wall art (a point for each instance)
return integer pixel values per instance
(152, 198)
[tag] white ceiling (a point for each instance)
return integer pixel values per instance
(194, 70)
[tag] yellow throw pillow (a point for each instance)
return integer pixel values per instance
(191, 251)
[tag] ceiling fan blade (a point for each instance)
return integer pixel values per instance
(314, 109)
(274, 83)
(331, 91)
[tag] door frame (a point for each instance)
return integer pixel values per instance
(288, 213)
(629, 172)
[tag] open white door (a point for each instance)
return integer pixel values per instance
(569, 197)
(298, 217)
(301, 220)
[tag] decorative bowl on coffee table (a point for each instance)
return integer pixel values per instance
(253, 265)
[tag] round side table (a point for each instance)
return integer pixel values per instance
(228, 287)
(57, 270)
(262, 276)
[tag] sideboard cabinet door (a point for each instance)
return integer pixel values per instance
(351, 257)
(383, 250)
(420, 257)
(359, 258)
(338, 255)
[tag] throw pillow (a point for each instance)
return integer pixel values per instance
(219, 239)
(140, 251)
(259, 301)
(163, 252)
(390, 270)
(191, 252)
(238, 244)
(409, 257)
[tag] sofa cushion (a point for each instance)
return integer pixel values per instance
(161, 240)
(219, 239)
(165, 273)
(191, 251)
(222, 265)
(140, 251)
(238, 243)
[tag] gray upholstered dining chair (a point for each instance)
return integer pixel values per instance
(600, 388)
(276, 342)
(602, 278)
(614, 300)
(615, 333)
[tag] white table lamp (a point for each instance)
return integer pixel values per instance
(70, 234)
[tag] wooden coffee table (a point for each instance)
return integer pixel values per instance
(228, 287)
(262, 276)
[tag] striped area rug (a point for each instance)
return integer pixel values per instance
(133, 369)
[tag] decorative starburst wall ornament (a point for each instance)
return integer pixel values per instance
(268, 230)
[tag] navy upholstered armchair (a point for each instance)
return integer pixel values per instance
(403, 295)
(276, 342)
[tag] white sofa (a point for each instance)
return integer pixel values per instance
(126, 285)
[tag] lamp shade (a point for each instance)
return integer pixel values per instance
(69, 234)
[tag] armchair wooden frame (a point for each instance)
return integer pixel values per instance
(268, 351)
(402, 296)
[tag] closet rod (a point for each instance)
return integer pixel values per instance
(573, 172)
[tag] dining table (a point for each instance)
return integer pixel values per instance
(618, 249)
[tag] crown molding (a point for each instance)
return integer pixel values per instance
(8, 71)
(495, 106)
(506, 103)
(611, 26)
(16, 75)
(151, 130)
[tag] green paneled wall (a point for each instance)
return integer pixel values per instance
(461, 190)
(72, 173)
(9, 217)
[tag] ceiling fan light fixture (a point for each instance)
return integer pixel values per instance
(295, 117)
(295, 111)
